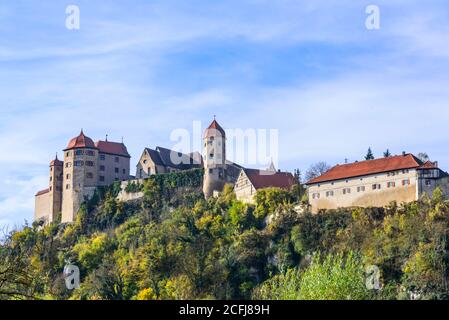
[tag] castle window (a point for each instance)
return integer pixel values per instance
(90, 153)
(315, 196)
(329, 194)
(67, 186)
(116, 170)
(51, 178)
(102, 178)
(141, 173)
(68, 154)
(102, 168)
(68, 164)
(124, 171)
(79, 163)
(79, 152)
(117, 159)
(391, 184)
(428, 182)
(67, 176)
(50, 188)
(211, 170)
(90, 163)
(89, 175)
(361, 189)
(406, 182)
(346, 190)
(211, 155)
(376, 186)
(102, 157)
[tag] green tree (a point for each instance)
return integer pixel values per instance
(369, 154)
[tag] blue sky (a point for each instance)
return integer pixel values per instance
(140, 69)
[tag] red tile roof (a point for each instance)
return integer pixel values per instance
(429, 165)
(363, 168)
(213, 128)
(81, 141)
(114, 148)
(42, 192)
(56, 162)
(264, 179)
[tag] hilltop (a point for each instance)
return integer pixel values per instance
(174, 244)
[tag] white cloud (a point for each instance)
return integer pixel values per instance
(116, 76)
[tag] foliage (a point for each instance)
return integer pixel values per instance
(134, 187)
(369, 154)
(333, 277)
(174, 244)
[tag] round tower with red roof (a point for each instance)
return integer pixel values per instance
(214, 159)
(80, 174)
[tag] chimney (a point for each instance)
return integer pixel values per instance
(404, 153)
(436, 164)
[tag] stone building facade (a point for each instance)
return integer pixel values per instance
(86, 166)
(162, 160)
(376, 183)
(251, 180)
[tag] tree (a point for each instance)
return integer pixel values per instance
(334, 277)
(423, 157)
(317, 170)
(387, 153)
(369, 154)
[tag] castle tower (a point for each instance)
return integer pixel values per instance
(214, 159)
(80, 175)
(55, 189)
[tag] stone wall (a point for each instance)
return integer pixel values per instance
(42, 207)
(125, 196)
(369, 197)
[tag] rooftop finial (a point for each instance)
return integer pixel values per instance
(215, 117)
(106, 137)
(56, 156)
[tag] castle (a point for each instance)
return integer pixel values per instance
(88, 165)
(376, 183)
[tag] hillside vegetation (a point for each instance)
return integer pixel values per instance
(173, 244)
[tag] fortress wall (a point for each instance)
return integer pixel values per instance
(42, 207)
(127, 196)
